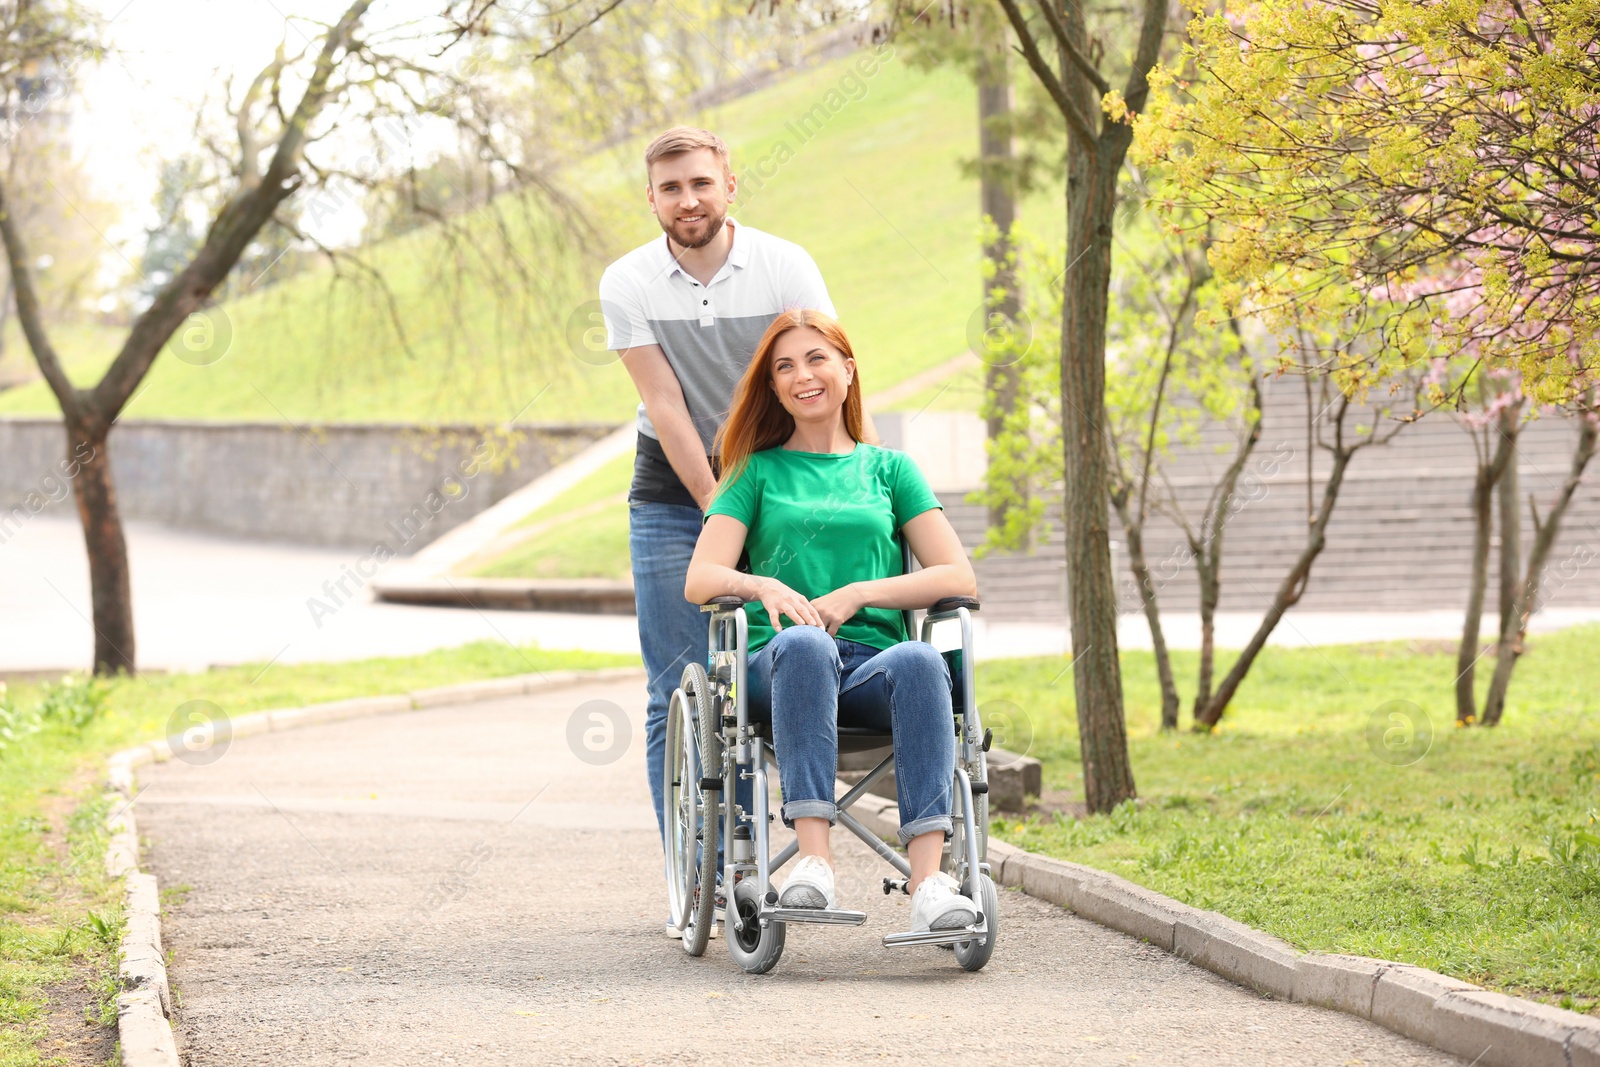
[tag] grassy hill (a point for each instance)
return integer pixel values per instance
(871, 186)
(582, 533)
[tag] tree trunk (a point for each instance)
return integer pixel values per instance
(5, 313)
(1527, 594)
(1210, 594)
(1208, 552)
(1510, 507)
(1490, 471)
(1096, 148)
(1133, 531)
(109, 580)
(1290, 589)
(1091, 585)
(996, 201)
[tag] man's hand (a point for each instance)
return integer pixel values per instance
(780, 600)
(838, 608)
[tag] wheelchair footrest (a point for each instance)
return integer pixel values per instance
(833, 917)
(977, 932)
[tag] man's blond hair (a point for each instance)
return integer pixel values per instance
(681, 139)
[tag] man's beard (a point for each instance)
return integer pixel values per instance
(713, 227)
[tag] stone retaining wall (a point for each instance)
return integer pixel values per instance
(343, 485)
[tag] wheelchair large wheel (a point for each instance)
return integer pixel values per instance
(691, 823)
(754, 949)
(971, 955)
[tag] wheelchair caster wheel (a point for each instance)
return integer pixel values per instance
(970, 954)
(754, 948)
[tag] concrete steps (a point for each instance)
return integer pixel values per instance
(1400, 538)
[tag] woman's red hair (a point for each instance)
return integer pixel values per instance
(758, 419)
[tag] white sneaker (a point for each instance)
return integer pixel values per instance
(809, 886)
(938, 905)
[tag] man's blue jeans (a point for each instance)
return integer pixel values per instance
(673, 633)
(808, 684)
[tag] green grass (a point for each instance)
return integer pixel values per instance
(586, 534)
(59, 915)
(75, 341)
(1471, 861)
(876, 196)
(609, 480)
(962, 391)
(589, 545)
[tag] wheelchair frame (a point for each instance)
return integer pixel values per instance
(739, 751)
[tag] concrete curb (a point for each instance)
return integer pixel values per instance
(1485, 1028)
(580, 596)
(144, 1004)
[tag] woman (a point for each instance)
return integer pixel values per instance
(818, 510)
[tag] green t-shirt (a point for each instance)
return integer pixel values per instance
(818, 521)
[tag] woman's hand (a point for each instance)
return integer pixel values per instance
(838, 607)
(780, 600)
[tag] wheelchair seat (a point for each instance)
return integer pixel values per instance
(851, 738)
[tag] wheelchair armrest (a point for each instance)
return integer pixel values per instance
(951, 603)
(722, 603)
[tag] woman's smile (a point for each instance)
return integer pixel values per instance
(810, 374)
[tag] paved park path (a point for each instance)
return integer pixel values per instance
(456, 886)
(202, 600)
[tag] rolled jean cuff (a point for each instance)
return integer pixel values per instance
(812, 809)
(928, 825)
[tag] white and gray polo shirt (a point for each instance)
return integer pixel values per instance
(708, 332)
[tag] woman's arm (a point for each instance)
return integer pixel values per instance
(946, 571)
(713, 572)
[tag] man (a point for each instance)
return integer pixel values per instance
(685, 312)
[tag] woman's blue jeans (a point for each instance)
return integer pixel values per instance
(807, 684)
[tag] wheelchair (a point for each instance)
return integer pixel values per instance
(712, 744)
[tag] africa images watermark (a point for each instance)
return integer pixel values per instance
(849, 88)
(53, 487)
(451, 489)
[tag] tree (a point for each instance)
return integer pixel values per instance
(350, 75)
(1181, 362)
(1426, 172)
(1172, 377)
(91, 413)
(1012, 137)
(1434, 156)
(997, 200)
(1335, 429)
(1098, 137)
(1524, 581)
(1494, 432)
(51, 194)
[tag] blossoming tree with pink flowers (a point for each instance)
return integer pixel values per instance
(1427, 173)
